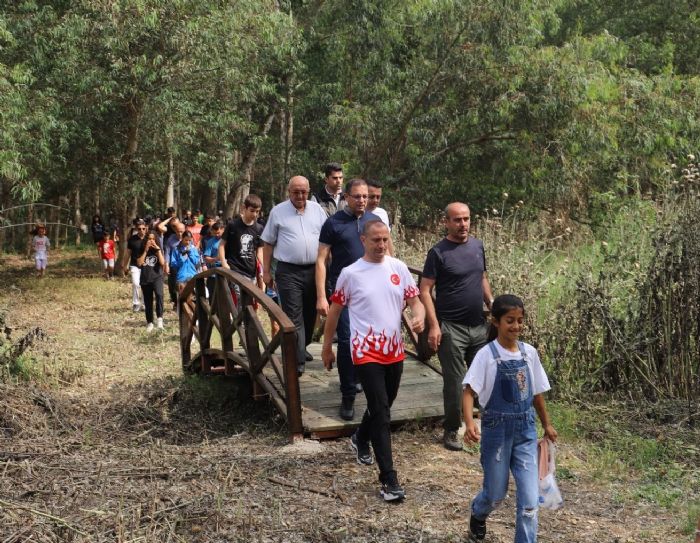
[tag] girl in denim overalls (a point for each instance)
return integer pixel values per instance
(509, 380)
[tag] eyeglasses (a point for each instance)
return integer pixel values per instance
(299, 192)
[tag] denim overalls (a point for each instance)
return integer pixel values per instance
(509, 442)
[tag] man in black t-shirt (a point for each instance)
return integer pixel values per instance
(134, 248)
(456, 267)
(240, 248)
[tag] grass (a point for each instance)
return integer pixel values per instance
(661, 469)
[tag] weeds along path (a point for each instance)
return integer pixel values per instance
(109, 442)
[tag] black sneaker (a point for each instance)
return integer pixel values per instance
(477, 530)
(362, 452)
(347, 408)
(392, 491)
(308, 356)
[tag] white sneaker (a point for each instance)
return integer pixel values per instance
(137, 308)
(159, 323)
(149, 327)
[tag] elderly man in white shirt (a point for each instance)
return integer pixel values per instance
(291, 237)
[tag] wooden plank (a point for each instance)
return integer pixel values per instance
(408, 398)
(420, 397)
(320, 422)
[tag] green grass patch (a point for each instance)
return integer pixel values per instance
(655, 467)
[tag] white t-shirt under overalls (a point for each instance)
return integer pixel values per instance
(482, 372)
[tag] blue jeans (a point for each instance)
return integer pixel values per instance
(509, 443)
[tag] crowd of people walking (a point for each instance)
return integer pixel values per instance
(330, 254)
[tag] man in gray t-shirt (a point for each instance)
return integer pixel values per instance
(456, 267)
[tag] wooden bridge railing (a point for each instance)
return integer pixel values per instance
(200, 315)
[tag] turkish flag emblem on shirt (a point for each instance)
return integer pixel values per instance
(395, 278)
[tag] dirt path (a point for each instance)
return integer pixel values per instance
(122, 447)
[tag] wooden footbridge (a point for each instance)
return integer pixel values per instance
(231, 340)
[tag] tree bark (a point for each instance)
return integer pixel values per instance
(77, 219)
(170, 195)
(3, 217)
(287, 135)
(53, 217)
(133, 109)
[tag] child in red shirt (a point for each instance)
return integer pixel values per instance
(105, 248)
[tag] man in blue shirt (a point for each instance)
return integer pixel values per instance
(340, 239)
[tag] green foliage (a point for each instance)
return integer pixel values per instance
(618, 314)
(456, 100)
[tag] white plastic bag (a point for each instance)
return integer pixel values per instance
(549, 495)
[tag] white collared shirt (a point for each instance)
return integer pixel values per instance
(294, 233)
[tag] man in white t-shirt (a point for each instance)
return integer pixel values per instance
(375, 196)
(375, 289)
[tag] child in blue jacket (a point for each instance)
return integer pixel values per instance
(185, 259)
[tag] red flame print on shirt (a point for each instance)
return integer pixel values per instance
(410, 292)
(395, 278)
(338, 297)
(376, 347)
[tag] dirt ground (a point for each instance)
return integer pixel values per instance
(120, 446)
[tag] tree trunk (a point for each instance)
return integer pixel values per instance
(54, 216)
(30, 220)
(241, 188)
(77, 219)
(170, 195)
(3, 217)
(396, 226)
(288, 142)
(124, 182)
(210, 197)
(178, 196)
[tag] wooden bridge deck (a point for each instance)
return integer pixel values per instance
(420, 397)
(309, 403)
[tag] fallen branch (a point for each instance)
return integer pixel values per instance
(300, 486)
(61, 521)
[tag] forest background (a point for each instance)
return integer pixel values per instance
(571, 127)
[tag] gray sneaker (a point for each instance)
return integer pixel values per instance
(392, 491)
(450, 439)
